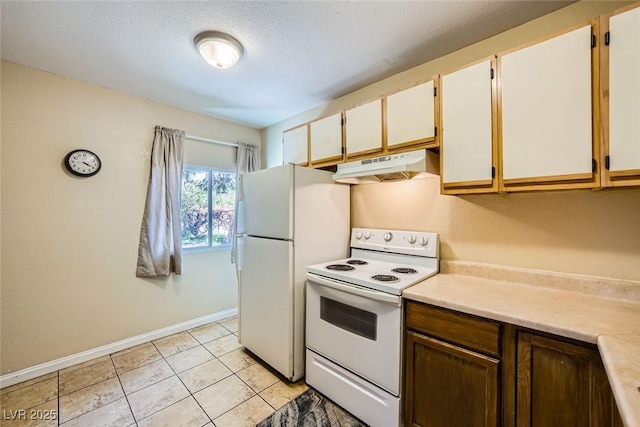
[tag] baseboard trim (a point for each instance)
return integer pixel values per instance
(64, 362)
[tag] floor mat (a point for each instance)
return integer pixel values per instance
(311, 409)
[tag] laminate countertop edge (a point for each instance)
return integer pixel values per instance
(612, 324)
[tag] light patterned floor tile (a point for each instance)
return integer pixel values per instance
(231, 324)
(189, 358)
(84, 364)
(76, 379)
(157, 397)
(31, 395)
(114, 414)
(175, 343)
(237, 360)
(223, 345)
(223, 395)
(204, 375)
(27, 383)
(44, 415)
(185, 413)
(89, 398)
(247, 414)
(130, 349)
(257, 377)
(144, 376)
(282, 392)
(136, 359)
(209, 332)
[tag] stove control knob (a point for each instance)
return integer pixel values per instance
(424, 241)
(367, 234)
(412, 239)
(387, 236)
(359, 235)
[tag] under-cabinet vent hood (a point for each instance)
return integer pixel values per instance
(392, 167)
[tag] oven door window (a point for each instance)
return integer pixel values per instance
(349, 318)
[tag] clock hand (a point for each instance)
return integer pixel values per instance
(87, 164)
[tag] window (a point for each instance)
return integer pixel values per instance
(208, 207)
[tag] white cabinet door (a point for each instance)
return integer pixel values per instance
(466, 145)
(326, 138)
(624, 95)
(295, 145)
(547, 110)
(411, 115)
(363, 128)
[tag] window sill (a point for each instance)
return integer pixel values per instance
(206, 249)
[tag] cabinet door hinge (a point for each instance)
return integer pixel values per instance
(435, 131)
(607, 38)
(607, 162)
(343, 120)
(492, 74)
(342, 150)
(493, 171)
(594, 165)
(435, 91)
(593, 41)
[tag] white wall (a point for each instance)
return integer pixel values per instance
(69, 245)
(595, 233)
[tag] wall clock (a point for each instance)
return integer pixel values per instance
(82, 163)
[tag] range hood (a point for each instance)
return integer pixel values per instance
(393, 167)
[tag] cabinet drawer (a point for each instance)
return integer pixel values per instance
(466, 331)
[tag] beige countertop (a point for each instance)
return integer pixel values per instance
(586, 315)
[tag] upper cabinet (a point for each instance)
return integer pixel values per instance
(363, 129)
(295, 145)
(549, 111)
(411, 116)
(325, 139)
(468, 146)
(621, 108)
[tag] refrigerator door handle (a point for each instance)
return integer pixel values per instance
(355, 290)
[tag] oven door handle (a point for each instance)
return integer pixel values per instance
(355, 290)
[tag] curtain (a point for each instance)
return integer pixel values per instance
(160, 249)
(246, 161)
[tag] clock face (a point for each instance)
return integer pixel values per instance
(82, 163)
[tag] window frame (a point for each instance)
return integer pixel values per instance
(209, 246)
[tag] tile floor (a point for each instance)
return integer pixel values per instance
(201, 377)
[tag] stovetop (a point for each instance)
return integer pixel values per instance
(384, 260)
(389, 277)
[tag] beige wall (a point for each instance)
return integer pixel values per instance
(596, 233)
(69, 245)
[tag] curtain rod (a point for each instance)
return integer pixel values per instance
(211, 141)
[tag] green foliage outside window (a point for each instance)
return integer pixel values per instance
(208, 207)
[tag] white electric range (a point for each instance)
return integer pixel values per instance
(354, 320)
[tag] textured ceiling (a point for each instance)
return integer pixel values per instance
(298, 54)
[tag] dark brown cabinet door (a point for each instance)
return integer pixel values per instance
(561, 384)
(448, 386)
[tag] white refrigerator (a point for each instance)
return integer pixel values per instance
(289, 217)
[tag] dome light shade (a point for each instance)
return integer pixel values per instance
(220, 50)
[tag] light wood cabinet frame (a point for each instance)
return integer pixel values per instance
(480, 186)
(328, 161)
(365, 153)
(430, 142)
(569, 181)
(611, 178)
(307, 162)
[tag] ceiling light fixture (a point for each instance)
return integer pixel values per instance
(220, 50)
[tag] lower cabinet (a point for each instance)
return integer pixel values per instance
(561, 384)
(463, 371)
(433, 367)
